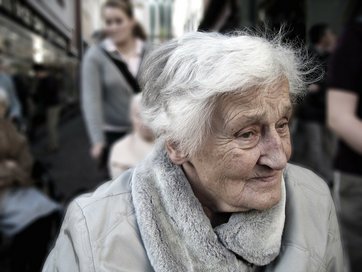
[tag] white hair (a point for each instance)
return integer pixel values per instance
(4, 99)
(182, 78)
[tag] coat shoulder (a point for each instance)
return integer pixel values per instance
(302, 177)
(93, 53)
(107, 207)
(116, 192)
(100, 232)
(311, 238)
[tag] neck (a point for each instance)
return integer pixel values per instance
(127, 47)
(196, 186)
(216, 218)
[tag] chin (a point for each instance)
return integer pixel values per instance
(259, 203)
(119, 39)
(266, 203)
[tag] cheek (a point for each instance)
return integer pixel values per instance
(125, 27)
(237, 163)
(108, 30)
(116, 29)
(225, 161)
(119, 29)
(287, 147)
(244, 162)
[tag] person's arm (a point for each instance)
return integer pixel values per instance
(342, 117)
(92, 102)
(72, 251)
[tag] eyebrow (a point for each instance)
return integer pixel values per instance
(257, 117)
(287, 109)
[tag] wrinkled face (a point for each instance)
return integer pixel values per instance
(118, 25)
(240, 166)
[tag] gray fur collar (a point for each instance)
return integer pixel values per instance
(178, 235)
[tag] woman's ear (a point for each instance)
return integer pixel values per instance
(177, 157)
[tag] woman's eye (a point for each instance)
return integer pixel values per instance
(247, 135)
(248, 138)
(116, 21)
(283, 126)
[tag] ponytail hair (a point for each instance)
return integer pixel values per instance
(139, 32)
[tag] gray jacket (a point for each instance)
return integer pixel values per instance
(100, 232)
(106, 94)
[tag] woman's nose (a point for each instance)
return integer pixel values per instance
(272, 153)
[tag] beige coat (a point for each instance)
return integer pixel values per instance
(100, 232)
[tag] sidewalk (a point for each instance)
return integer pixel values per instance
(71, 167)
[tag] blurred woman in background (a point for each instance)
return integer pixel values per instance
(27, 216)
(109, 77)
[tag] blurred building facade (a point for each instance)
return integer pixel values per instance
(91, 18)
(38, 31)
(161, 19)
(165, 19)
(187, 15)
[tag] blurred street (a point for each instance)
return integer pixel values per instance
(71, 168)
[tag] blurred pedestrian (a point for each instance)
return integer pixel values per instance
(48, 92)
(133, 148)
(313, 141)
(345, 119)
(26, 215)
(7, 84)
(109, 78)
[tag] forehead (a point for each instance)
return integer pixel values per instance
(256, 104)
(110, 11)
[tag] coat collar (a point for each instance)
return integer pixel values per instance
(177, 233)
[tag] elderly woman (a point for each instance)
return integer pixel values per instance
(216, 194)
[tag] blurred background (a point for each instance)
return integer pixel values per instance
(48, 38)
(56, 33)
